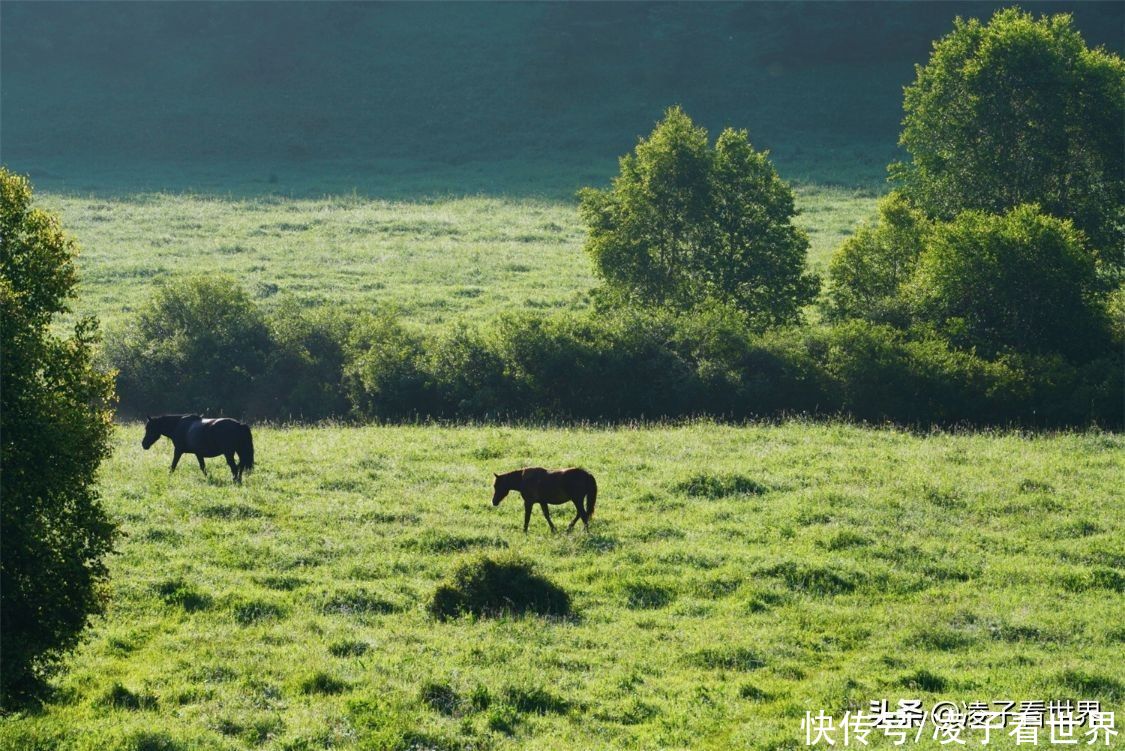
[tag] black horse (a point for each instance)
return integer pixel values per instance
(191, 434)
(538, 485)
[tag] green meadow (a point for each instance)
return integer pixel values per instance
(733, 578)
(435, 261)
(424, 158)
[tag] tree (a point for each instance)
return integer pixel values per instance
(1023, 281)
(867, 272)
(55, 427)
(1019, 111)
(686, 224)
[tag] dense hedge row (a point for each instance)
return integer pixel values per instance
(218, 352)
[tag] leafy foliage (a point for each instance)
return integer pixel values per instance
(203, 345)
(197, 346)
(383, 375)
(686, 224)
(1017, 111)
(622, 364)
(55, 428)
(1022, 281)
(870, 268)
(304, 372)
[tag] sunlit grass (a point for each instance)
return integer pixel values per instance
(437, 262)
(733, 578)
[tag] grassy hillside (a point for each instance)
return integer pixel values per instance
(733, 579)
(438, 261)
(501, 97)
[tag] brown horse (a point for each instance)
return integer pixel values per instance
(538, 485)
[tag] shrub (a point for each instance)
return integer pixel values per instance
(305, 366)
(383, 376)
(685, 225)
(740, 373)
(1018, 111)
(199, 345)
(583, 366)
(203, 345)
(621, 363)
(55, 413)
(1022, 281)
(468, 375)
(493, 586)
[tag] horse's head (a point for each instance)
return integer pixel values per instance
(152, 433)
(501, 486)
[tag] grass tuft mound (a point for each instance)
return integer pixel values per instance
(120, 697)
(720, 486)
(490, 587)
(177, 592)
(323, 683)
(813, 579)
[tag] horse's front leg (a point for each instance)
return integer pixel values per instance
(526, 515)
(233, 468)
(202, 466)
(175, 460)
(547, 514)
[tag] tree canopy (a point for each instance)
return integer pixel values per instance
(55, 424)
(686, 224)
(1019, 110)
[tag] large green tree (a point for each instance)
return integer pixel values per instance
(688, 224)
(1017, 111)
(55, 425)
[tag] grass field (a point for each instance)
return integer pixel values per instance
(733, 578)
(436, 261)
(425, 157)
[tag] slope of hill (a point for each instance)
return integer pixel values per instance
(406, 99)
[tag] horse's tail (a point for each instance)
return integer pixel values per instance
(591, 497)
(246, 451)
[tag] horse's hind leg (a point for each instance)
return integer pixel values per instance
(202, 465)
(580, 515)
(235, 470)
